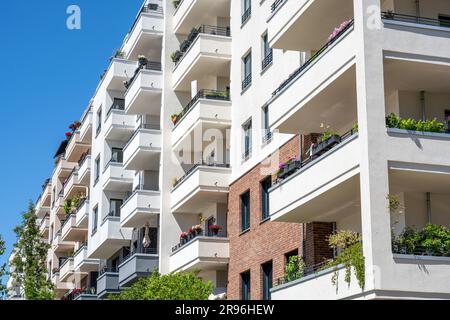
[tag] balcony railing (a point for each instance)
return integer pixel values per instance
(139, 251)
(72, 173)
(312, 60)
(194, 167)
(276, 5)
(149, 8)
(118, 104)
(202, 94)
(247, 81)
(267, 60)
(192, 236)
(69, 217)
(203, 29)
(104, 270)
(246, 15)
(111, 161)
(420, 251)
(83, 158)
(149, 65)
(389, 15)
(309, 270)
(81, 248)
(247, 154)
(267, 137)
(142, 126)
(317, 151)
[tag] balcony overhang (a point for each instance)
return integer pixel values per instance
(143, 151)
(119, 70)
(115, 178)
(70, 231)
(82, 215)
(304, 25)
(141, 208)
(108, 239)
(84, 172)
(144, 94)
(60, 246)
(135, 267)
(84, 265)
(190, 12)
(66, 272)
(73, 187)
(203, 186)
(119, 126)
(76, 148)
(86, 128)
(209, 55)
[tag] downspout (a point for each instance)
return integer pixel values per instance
(429, 206)
(422, 101)
(417, 10)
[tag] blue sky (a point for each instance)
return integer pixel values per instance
(49, 74)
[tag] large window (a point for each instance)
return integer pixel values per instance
(99, 121)
(267, 134)
(245, 286)
(116, 155)
(245, 211)
(265, 186)
(246, 10)
(267, 280)
(94, 219)
(267, 52)
(246, 71)
(97, 169)
(114, 207)
(247, 132)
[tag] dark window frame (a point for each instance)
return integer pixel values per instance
(245, 214)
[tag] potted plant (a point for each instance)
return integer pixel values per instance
(327, 141)
(174, 118)
(288, 168)
(152, 6)
(215, 229)
(176, 3)
(183, 238)
(68, 135)
(67, 206)
(198, 229)
(175, 56)
(142, 60)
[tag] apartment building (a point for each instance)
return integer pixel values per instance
(202, 149)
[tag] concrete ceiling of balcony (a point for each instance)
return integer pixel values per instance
(201, 12)
(333, 205)
(199, 201)
(146, 102)
(201, 134)
(335, 106)
(311, 31)
(149, 45)
(403, 73)
(419, 178)
(144, 160)
(203, 66)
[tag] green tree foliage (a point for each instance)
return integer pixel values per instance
(3, 289)
(174, 286)
(30, 259)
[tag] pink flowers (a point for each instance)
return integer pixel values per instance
(184, 235)
(74, 126)
(338, 30)
(68, 135)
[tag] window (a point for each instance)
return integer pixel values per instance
(246, 71)
(444, 21)
(246, 10)
(245, 211)
(97, 169)
(267, 52)
(116, 155)
(247, 131)
(94, 220)
(99, 121)
(267, 280)
(245, 285)
(114, 207)
(265, 186)
(267, 134)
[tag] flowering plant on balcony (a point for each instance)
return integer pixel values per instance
(184, 235)
(74, 126)
(174, 118)
(289, 165)
(215, 229)
(198, 228)
(68, 135)
(339, 29)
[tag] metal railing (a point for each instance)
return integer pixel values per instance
(389, 15)
(81, 248)
(267, 137)
(276, 4)
(69, 217)
(195, 167)
(149, 65)
(267, 60)
(311, 60)
(152, 251)
(83, 157)
(145, 126)
(300, 164)
(71, 174)
(82, 202)
(204, 233)
(247, 154)
(247, 81)
(91, 292)
(67, 260)
(194, 34)
(149, 8)
(203, 94)
(118, 104)
(105, 269)
(420, 250)
(309, 270)
(111, 161)
(246, 15)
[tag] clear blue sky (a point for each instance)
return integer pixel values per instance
(48, 75)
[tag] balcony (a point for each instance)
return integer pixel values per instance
(66, 271)
(76, 147)
(190, 12)
(143, 150)
(107, 283)
(208, 109)
(206, 52)
(325, 83)
(70, 231)
(45, 199)
(144, 90)
(141, 207)
(119, 126)
(147, 31)
(309, 189)
(63, 168)
(202, 252)
(60, 246)
(116, 178)
(202, 184)
(84, 171)
(44, 227)
(82, 216)
(61, 287)
(137, 265)
(86, 295)
(119, 70)
(58, 205)
(72, 186)
(302, 25)
(108, 238)
(82, 263)
(86, 126)
(40, 210)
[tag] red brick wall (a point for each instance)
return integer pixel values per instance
(265, 241)
(317, 249)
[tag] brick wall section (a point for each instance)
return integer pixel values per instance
(268, 241)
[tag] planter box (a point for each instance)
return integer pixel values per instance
(290, 169)
(325, 146)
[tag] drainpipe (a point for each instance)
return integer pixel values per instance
(417, 10)
(302, 230)
(300, 146)
(429, 206)
(422, 101)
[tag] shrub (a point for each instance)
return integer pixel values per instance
(394, 121)
(295, 269)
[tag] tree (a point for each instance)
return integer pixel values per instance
(30, 259)
(3, 289)
(174, 286)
